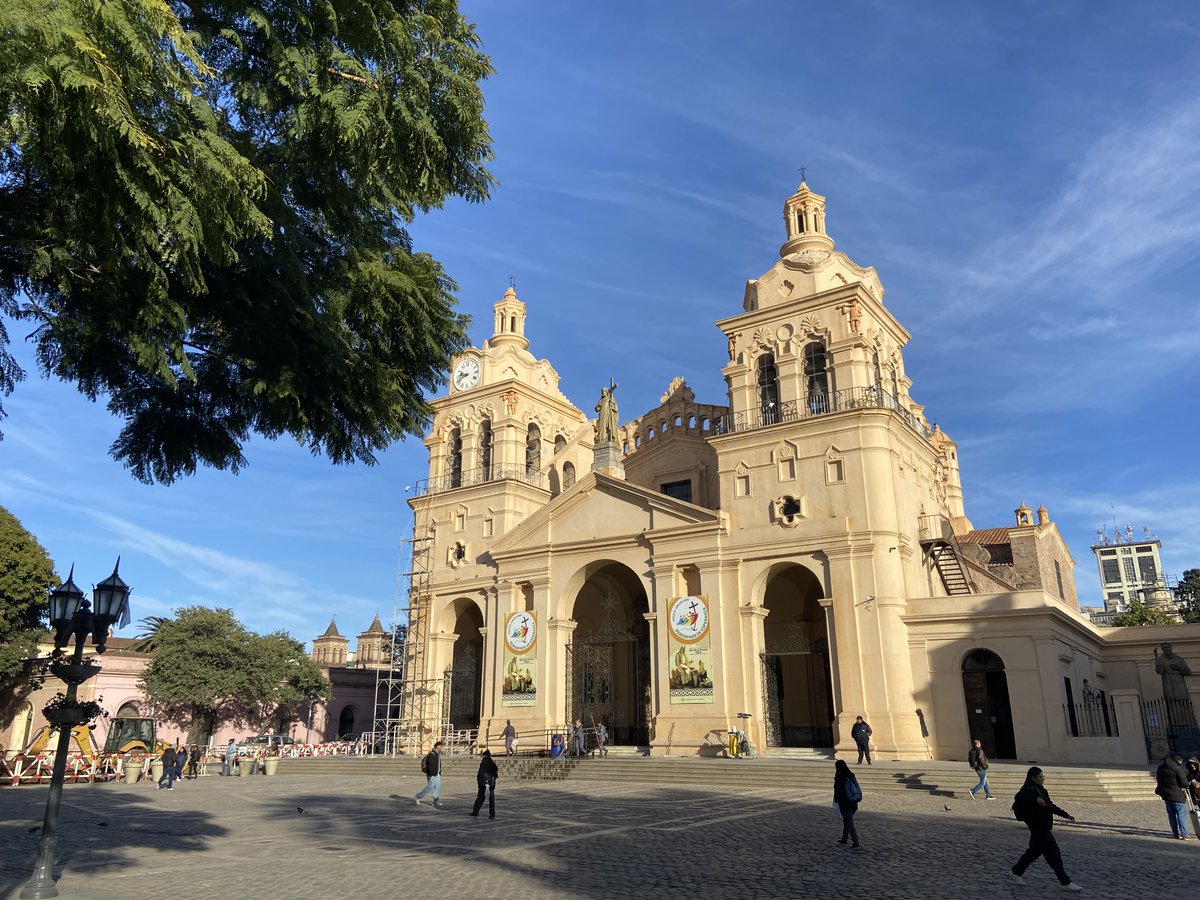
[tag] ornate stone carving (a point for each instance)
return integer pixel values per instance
(811, 325)
(810, 258)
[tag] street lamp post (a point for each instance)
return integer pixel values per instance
(71, 615)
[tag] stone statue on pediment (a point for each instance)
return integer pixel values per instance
(606, 415)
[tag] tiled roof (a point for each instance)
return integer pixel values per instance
(985, 536)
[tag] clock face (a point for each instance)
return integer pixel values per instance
(466, 374)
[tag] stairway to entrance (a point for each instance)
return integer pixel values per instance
(787, 776)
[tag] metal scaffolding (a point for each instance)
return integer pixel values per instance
(411, 711)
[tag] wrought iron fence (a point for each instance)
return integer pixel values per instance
(479, 476)
(1170, 725)
(1095, 719)
(819, 405)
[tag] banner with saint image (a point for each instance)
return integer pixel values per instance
(520, 660)
(690, 646)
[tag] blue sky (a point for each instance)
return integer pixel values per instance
(1023, 176)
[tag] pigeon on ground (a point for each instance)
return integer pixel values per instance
(946, 807)
(302, 810)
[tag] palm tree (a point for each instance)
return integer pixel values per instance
(151, 634)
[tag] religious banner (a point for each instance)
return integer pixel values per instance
(520, 660)
(690, 647)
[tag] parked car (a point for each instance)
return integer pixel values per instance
(269, 742)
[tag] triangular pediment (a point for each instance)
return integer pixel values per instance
(598, 507)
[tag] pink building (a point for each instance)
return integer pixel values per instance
(350, 709)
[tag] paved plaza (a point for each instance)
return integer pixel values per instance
(363, 835)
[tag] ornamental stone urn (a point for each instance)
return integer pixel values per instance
(133, 770)
(271, 765)
(246, 766)
(156, 769)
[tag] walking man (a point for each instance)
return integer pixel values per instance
(488, 772)
(168, 764)
(1172, 787)
(230, 758)
(601, 739)
(510, 738)
(978, 761)
(431, 767)
(861, 733)
(1033, 806)
(181, 758)
(580, 739)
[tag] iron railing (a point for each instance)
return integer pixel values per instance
(479, 476)
(1095, 719)
(819, 405)
(1170, 725)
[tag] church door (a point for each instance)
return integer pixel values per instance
(989, 714)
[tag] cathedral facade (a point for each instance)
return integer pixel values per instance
(780, 563)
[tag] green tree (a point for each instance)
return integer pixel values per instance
(203, 213)
(26, 574)
(208, 666)
(1188, 595)
(1138, 613)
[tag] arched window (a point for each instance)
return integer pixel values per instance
(485, 449)
(768, 389)
(455, 458)
(568, 475)
(346, 721)
(560, 443)
(533, 449)
(128, 710)
(512, 324)
(816, 378)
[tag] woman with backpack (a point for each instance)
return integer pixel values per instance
(846, 796)
(1033, 806)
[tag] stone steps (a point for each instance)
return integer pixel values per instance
(786, 776)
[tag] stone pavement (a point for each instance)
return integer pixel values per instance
(363, 835)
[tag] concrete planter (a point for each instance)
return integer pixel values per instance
(271, 765)
(133, 770)
(156, 770)
(245, 767)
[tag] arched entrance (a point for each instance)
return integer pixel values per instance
(797, 688)
(989, 714)
(466, 670)
(608, 660)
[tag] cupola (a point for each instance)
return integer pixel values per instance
(804, 216)
(510, 321)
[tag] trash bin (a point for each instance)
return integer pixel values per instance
(557, 747)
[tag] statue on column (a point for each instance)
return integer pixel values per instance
(606, 415)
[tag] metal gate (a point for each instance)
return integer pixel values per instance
(593, 685)
(773, 718)
(464, 696)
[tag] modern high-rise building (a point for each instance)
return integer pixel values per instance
(1130, 569)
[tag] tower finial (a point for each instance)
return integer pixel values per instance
(803, 169)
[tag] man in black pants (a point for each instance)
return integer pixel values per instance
(861, 733)
(1033, 806)
(486, 779)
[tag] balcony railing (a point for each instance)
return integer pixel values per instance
(479, 476)
(819, 405)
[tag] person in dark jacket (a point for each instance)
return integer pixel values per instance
(978, 761)
(168, 769)
(194, 762)
(861, 733)
(181, 758)
(1193, 777)
(488, 772)
(1033, 806)
(1173, 787)
(845, 796)
(431, 767)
